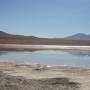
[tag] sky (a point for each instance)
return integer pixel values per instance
(45, 18)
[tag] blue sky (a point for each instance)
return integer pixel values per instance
(45, 18)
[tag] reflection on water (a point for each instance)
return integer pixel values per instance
(73, 52)
(78, 52)
(68, 57)
(2, 53)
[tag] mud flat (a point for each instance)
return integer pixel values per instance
(29, 76)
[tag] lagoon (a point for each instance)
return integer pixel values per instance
(48, 54)
(75, 58)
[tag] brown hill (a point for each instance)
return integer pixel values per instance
(6, 38)
(12, 36)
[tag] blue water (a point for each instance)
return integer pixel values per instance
(68, 57)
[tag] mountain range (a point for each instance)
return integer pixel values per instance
(77, 39)
(78, 36)
(7, 35)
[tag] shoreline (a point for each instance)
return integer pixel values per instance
(24, 71)
(62, 47)
(32, 71)
(32, 48)
(42, 64)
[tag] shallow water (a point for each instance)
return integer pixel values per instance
(65, 57)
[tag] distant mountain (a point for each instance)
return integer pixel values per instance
(77, 39)
(3, 34)
(7, 35)
(79, 36)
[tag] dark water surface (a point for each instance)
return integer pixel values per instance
(66, 57)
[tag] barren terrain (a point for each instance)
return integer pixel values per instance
(28, 76)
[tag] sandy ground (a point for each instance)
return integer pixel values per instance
(37, 71)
